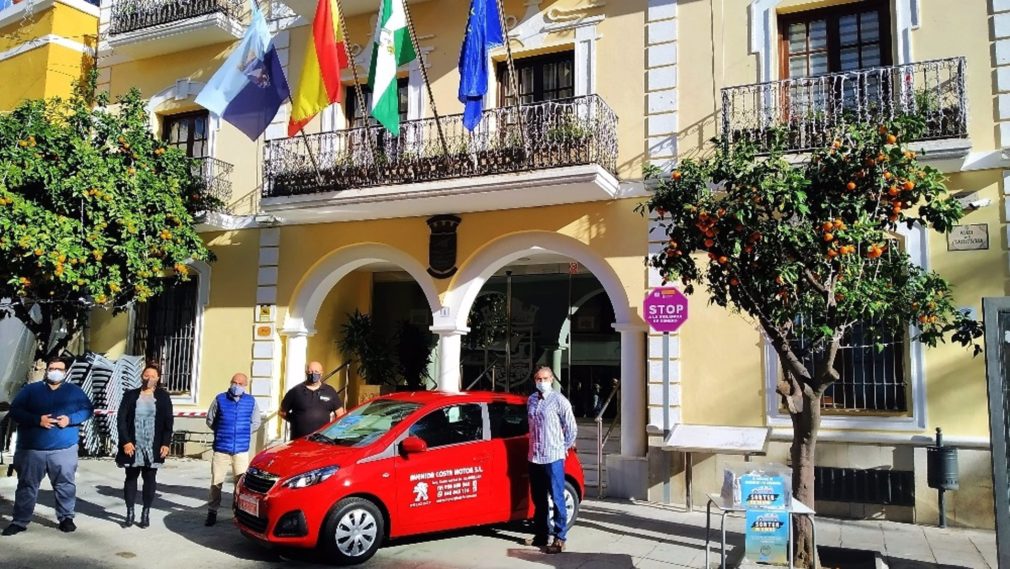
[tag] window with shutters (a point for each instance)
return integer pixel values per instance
(541, 78)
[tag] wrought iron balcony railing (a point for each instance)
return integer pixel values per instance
(568, 132)
(216, 177)
(132, 15)
(810, 111)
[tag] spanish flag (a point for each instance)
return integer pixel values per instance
(325, 57)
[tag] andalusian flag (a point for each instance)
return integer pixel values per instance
(325, 57)
(391, 48)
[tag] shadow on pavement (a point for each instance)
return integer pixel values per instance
(572, 560)
(898, 563)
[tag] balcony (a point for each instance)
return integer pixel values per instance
(540, 154)
(142, 28)
(809, 112)
(216, 177)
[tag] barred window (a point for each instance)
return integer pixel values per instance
(870, 379)
(164, 332)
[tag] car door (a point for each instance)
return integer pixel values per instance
(446, 486)
(510, 445)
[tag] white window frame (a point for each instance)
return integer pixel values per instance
(915, 243)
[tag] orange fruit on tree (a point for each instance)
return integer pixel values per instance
(676, 175)
(723, 260)
(891, 139)
(850, 186)
(909, 185)
(829, 237)
(893, 191)
(827, 226)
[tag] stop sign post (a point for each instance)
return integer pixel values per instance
(665, 309)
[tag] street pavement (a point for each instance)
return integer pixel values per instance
(609, 534)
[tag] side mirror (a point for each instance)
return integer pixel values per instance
(413, 445)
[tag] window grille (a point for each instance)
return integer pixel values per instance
(870, 379)
(165, 333)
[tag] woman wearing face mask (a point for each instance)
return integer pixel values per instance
(145, 432)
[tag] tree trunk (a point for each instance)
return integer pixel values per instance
(805, 426)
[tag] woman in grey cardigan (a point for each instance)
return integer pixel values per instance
(145, 432)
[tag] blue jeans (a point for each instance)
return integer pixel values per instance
(32, 466)
(549, 480)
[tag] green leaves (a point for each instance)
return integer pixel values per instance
(93, 208)
(812, 248)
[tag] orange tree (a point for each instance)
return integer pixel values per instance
(94, 211)
(808, 249)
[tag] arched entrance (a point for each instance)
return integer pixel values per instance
(479, 269)
(314, 308)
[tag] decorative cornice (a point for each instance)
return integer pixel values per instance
(22, 10)
(50, 39)
(574, 13)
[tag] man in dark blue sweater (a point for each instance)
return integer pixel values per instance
(49, 415)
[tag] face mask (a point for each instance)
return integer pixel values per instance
(236, 390)
(55, 376)
(313, 377)
(544, 387)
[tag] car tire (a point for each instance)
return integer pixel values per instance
(353, 531)
(572, 496)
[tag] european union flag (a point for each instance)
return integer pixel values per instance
(483, 31)
(249, 89)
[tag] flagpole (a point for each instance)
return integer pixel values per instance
(359, 96)
(312, 157)
(513, 80)
(424, 75)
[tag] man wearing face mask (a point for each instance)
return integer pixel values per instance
(310, 405)
(49, 415)
(234, 417)
(552, 433)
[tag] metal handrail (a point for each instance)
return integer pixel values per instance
(489, 368)
(342, 392)
(601, 438)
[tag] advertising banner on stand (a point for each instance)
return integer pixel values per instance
(767, 536)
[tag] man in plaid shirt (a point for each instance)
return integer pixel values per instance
(552, 433)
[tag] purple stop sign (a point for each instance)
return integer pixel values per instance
(665, 309)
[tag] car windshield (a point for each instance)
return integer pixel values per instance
(367, 423)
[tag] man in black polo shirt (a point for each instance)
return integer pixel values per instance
(311, 404)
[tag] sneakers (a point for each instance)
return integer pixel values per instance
(13, 529)
(211, 518)
(557, 547)
(67, 525)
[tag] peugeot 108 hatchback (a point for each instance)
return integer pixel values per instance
(398, 465)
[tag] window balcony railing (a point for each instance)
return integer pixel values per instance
(132, 15)
(216, 177)
(568, 132)
(809, 112)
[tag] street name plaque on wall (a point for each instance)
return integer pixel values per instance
(972, 237)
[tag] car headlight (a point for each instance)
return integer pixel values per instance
(311, 477)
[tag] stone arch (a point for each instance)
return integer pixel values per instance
(327, 272)
(486, 261)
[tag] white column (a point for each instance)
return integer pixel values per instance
(450, 342)
(296, 353)
(634, 440)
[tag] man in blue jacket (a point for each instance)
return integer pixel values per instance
(234, 417)
(49, 415)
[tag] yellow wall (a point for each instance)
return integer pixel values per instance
(50, 69)
(353, 292)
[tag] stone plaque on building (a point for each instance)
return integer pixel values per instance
(442, 246)
(972, 237)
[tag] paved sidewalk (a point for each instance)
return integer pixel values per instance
(610, 534)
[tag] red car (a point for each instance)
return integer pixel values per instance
(398, 465)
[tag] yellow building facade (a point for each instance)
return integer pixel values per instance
(44, 47)
(536, 207)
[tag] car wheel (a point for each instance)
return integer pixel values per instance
(571, 503)
(353, 531)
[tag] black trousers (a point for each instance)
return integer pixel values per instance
(130, 486)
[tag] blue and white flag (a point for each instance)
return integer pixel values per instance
(250, 87)
(483, 31)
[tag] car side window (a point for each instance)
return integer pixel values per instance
(450, 425)
(508, 420)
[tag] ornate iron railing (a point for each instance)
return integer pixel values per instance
(568, 132)
(808, 112)
(131, 15)
(216, 176)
